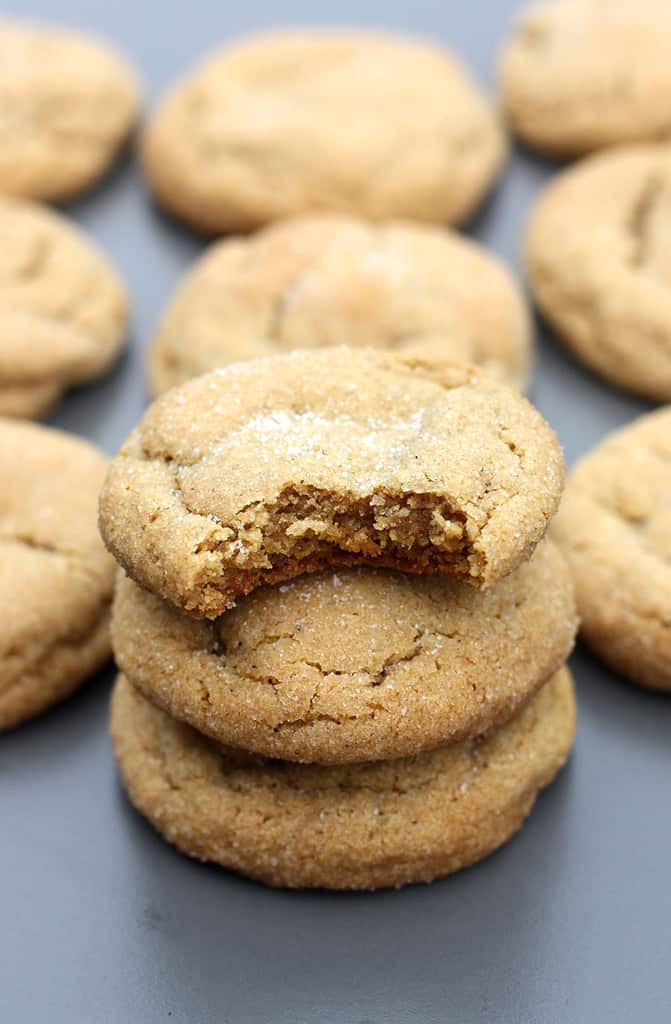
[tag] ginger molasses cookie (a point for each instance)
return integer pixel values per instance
(279, 466)
(361, 826)
(614, 524)
(578, 75)
(322, 280)
(67, 103)
(56, 578)
(299, 121)
(63, 309)
(599, 263)
(354, 665)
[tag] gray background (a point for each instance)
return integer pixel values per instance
(101, 921)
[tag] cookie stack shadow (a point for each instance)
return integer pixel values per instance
(352, 727)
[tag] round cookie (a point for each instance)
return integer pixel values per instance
(275, 467)
(599, 263)
(358, 665)
(360, 826)
(56, 578)
(63, 309)
(578, 75)
(67, 103)
(352, 122)
(614, 525)
(317, 281)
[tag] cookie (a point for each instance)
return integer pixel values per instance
(578, 75)
(599, 263)
(63, 309)
(56, 578)
(67, 103)
(361, 826)
(357, 665)
(279, 466)
(299, 121)
(614, 526)
(317, 281)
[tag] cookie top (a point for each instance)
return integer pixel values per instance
(349, 827)
(614, 525)
(279, 466)
(248, 137)
(325, 280)
(67, 102)
(56, 578)
(357, 665)
(581, 74)
(63, 309)
(599, 263)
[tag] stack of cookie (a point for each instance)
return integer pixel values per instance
(342, 665)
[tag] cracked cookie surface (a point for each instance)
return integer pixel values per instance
(56, 578)
(280, 466)
(354, 665)
(614, 525)
(578, 75)
(67, 102)
(599, 264)
(63, 309)
(250, 135)
(350, 827)
(316, 281)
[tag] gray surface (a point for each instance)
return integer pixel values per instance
(101, 921)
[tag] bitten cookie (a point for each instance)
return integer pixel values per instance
(67, 102)
(317, 281)
(56, 578)
(279, 466)
(358, 665)
(614, 524)
(292, 122)
(599, 263)
(578, 75)
(361, 826)
(63, 309)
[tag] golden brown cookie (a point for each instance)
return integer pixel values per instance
(578, 75)
(599, 263)
(317, 281)
(357, 665)
(67, 103)
(63, 309)
(279, 466)
(351, 122)
(56, 578)
(361, 826)
(614, 524)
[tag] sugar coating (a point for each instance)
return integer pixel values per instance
(63, 309)
(279, 466)
(357, 665)
(315, 281)
(56, 578)
(248, 136)
(614, 526)
(356, 826)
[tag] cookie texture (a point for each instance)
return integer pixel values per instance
(56, 578)
(250, 135)
(358, 826)
(357, 665)
(324, 280)
(599, 263)
(67, 103)
(63, 309)
(279, 466)
(614, 526)
(578, 75)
